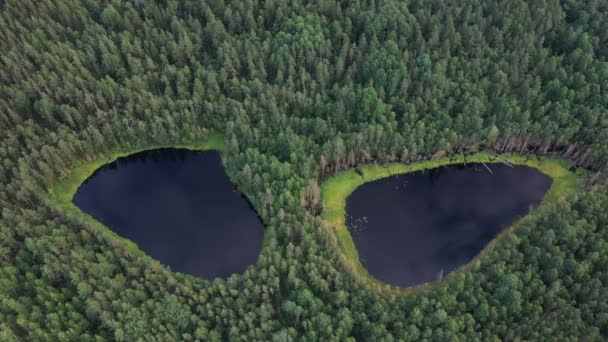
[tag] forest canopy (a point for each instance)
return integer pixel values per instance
(300, 90)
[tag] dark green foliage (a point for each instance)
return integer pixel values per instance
(301, 89)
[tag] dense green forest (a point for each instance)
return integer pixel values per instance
(301, 89)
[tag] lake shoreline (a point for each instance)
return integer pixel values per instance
(180, 207)
(62, 192)
(336, 189)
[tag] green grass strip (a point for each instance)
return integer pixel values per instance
(337, 188)
(63, 191)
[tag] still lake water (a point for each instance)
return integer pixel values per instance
(414, 228)
(179, 207)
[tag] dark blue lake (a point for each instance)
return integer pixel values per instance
(415, 228)
(179, 207)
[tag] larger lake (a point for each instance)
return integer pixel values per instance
(179, 207)
(415, 228)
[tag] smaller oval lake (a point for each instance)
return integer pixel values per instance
(179, 207)
(417, 227)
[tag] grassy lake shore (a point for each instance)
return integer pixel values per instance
(337, 188)
(63, 191)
